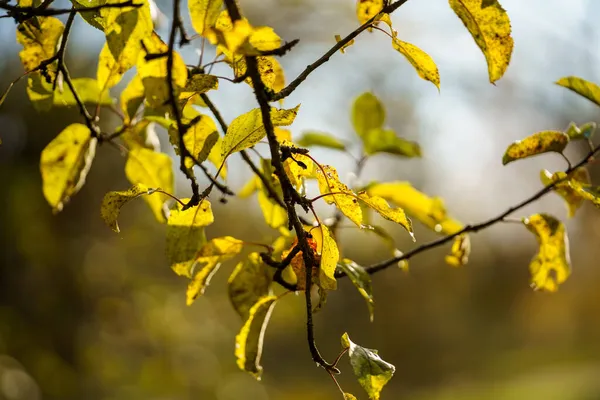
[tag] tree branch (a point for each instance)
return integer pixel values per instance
(285, 92)
(372, 269)
(23, 13)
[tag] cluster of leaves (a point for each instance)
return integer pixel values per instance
(164, 91)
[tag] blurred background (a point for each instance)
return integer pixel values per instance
(89, 314)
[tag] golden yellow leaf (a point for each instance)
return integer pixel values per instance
(207, 262)
(338, 39)
(264, 38)
(538, 143)
(591, 193)
(422, 62)
(565, 189)
(185, 235)
(330, 256)
(461, 249)
(249, 341)
(269, 69)
(65, 162)
(114, 201)
(249, 281)
(204, 13)
(39, 38)
(586, 89)
(247, 129)
(199, 139)
(344, 198)
(275, 216)
(132, 98)
(490, 28)
(367, 9)
(87, 89)
(200, 83)
(367, 114)
(227, 36)
(552, 265)
(429, 210)
(380, 205)
(154, 170)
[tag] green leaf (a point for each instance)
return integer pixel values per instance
(114, 201)
(585, 131)
(421, 61)
(249, 341)
(461, 249)
(204, 13)
(132, 98)
(207, 263)
(361, 280)
(185, 235)
(153, 170)
(249, 282)
(247, 129)
(372, 372)
(88, 91)
(586, 89)
(565, 189)
(367, 114)
(490, 28)
(538, 143)
(386, 141)
(330, 256)
(320, 139)
(65, 162)
(552, 265)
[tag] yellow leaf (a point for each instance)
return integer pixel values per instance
(538, 143)
(586, 89)
(87, 89)
(249, 341)
(114, 201)
(264, 38)
(338, 39)
(585, 131)
(396, 215)
(207, 262)
(294, 168)
(142, 134)
(275, 216)
(204, 13)
(185, 235)
(422, 62)
(227, 36)
(200, 83)
(349, 396)
(367, 9)
(591, 193)
(361, 279)
(65, 162)
(39, 38)
(154, 72)
(269, 69)
(489, 26)
(247, 129)
(461, 249)
(367, 114)
(40, 92)
(153, 170)
(132, 98)
(565, 189)
(279, 82)
(330, 256)
(199, 139)
(552, 265)
(249, 282)
(430, 211)
(344, 198)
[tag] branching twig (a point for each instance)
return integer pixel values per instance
(23, 13)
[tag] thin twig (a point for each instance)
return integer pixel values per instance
(24, 13)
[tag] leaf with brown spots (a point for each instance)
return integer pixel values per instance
(538, 143)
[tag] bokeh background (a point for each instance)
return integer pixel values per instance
(89, 314)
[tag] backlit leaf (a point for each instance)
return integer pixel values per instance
(65, 162)
(564, 189)
(367, 114)
(348, 396)
(200, 83)
(538, 143)
(461, 249)
(249, 282)
(429, 210)
(88, 91)
(341, 195)
(420, 60)
(185, 235)
(132, 98)
(552, 265)
(114, 201)
(380, 205)
(153, 170)
(264, 38)
(320, 139)
(386, 141)
(585, 131)
(591, 193)
(372, 372)
(142, 134)
(249, 341)
(490, 27)
(199, 139)
(330, 256)
(247, 129)
(204, 13)
(361, 280)
(586, 89)
(39, 38)
(207, 262)
(94, 18)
